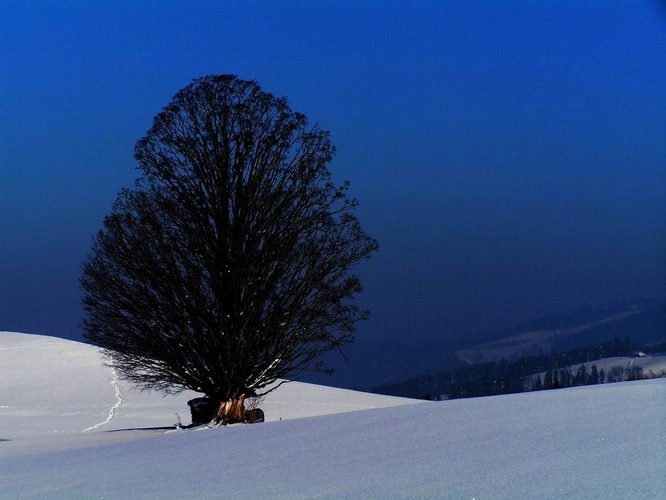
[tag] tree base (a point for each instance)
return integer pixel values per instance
(206, 411)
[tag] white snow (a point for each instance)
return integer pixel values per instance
(605, 441)
(654, 366)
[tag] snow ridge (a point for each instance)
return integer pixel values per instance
(119, 401)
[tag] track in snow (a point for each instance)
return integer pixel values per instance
(112, 411)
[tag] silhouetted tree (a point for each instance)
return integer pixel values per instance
(538, 385)
(615, 374)
(634, 373)
(556, 381)
(580, 378)
(228, 266)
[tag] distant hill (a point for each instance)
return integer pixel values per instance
(643, 321)
(376, 362)
(614, 338)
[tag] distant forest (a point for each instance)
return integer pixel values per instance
(506, 377)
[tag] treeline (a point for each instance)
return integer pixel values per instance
(565, 377)
(506, 377)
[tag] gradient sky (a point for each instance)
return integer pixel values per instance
(509, 156)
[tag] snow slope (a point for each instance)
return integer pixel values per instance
(606, 441)
(653, 366)
(52, 387)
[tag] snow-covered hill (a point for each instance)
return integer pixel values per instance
(53, 387)
(653, 366)
(531, 343)
(69, 429)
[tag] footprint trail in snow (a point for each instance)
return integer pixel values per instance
(112, 411)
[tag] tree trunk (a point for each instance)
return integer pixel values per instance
(231, 411)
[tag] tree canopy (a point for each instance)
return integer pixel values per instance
(228, 265)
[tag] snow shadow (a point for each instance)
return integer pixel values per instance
(166, 428)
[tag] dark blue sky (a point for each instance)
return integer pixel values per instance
(509, 156)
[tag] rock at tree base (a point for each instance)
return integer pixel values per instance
(254, 416)
(202, 410)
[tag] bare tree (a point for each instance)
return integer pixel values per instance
(227, 267)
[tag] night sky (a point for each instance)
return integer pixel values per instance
(509, 156)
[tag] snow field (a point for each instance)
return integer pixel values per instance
(605, 441)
